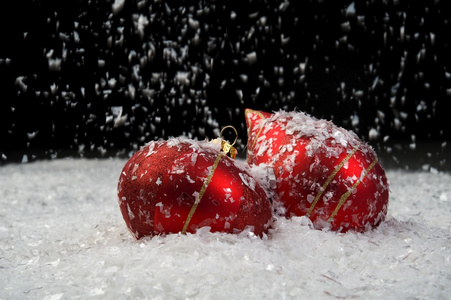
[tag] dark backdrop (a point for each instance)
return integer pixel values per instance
(101, 78)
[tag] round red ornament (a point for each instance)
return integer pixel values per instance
(322, 171)
(180, 185)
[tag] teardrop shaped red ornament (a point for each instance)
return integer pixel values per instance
(322, 171)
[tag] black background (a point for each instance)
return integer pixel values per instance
(379, 68)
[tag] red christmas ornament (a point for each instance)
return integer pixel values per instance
(181, 185)
(322, 171)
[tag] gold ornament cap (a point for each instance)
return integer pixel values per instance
(226, 146)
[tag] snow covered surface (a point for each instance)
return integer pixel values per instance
(62, 236)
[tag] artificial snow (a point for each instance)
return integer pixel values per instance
(62, 236)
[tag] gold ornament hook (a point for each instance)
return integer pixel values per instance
(236, 133)
(226, 147)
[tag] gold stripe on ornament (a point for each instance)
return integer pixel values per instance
(261, 125)
(329, 180)
(346, 195)
(201, 193)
